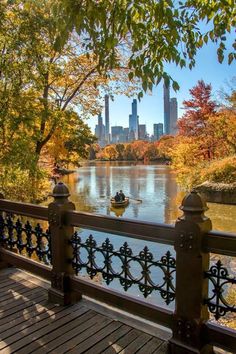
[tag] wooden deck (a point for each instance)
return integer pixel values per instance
(29, 324)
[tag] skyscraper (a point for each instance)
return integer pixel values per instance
(157, 131)
(142, 131)
(117, 134)
(133, 121)
(173, 115)
(107, 122)
(167, 109)
(100, 131)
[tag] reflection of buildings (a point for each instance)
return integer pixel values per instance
(103, 180)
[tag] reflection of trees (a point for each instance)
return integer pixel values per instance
(170, 192)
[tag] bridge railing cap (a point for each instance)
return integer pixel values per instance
(193, 203)
(60, 191)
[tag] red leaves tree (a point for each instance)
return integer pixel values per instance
(198, 110)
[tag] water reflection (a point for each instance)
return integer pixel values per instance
(94, 183)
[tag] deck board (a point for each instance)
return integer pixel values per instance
(29, 324)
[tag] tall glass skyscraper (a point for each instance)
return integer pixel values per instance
(173, 115)
(133, 121)
(166, 109)
(107, 122)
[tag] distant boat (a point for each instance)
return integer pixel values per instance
(121, 204)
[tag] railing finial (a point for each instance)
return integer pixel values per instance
(193, 203)
(60, 191)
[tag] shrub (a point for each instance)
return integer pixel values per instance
(16, 184)
(220, 171)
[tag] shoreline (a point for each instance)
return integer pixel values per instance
(221, 193)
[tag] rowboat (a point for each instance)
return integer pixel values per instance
(121, 204)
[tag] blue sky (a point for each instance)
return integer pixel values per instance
(150, 108)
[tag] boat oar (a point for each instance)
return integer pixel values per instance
(137, 200)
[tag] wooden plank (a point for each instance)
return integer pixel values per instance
(82, 327)
(29, 306)
(58, 333)
(28, 264)
(23, 275)
(143, 230)
(123, 342)
(19, 309)
(5, 272)
(109, 340)
(123, 301)
(77, 339)
(6, 284)
(33, 333)
(97, 337)
(20, 303)
(12, 283)
(27, 318)
(25, 209)
(14, 294)
(163, 349)
(150, 346)
(4, 279)
(138, 343)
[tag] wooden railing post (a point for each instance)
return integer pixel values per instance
(191, 287)
(2, 263)
(60, 291)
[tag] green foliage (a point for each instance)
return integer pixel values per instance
(17, 184)
(42, 88)
(152, 33)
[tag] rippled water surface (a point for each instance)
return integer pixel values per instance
(159, 198)
(155, 185)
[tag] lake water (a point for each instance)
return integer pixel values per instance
(94, 183)
(155, 185)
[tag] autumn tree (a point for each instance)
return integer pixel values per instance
(70, 144)
(151, 33)
(197, 110)
(205, 148)
(41, 87)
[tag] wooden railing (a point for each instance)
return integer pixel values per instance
(55, 254)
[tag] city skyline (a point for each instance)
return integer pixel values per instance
(135, 130)
(150, 108)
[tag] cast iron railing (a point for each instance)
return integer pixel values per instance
(27, 239)
(186, 277)
(126, 273)
(221, 281)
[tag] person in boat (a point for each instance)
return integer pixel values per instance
(122, 196)
(117, 197)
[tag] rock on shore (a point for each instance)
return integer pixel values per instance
(218, 192)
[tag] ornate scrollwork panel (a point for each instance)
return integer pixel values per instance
(134, 269)
(26, 238)
(220, 280)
